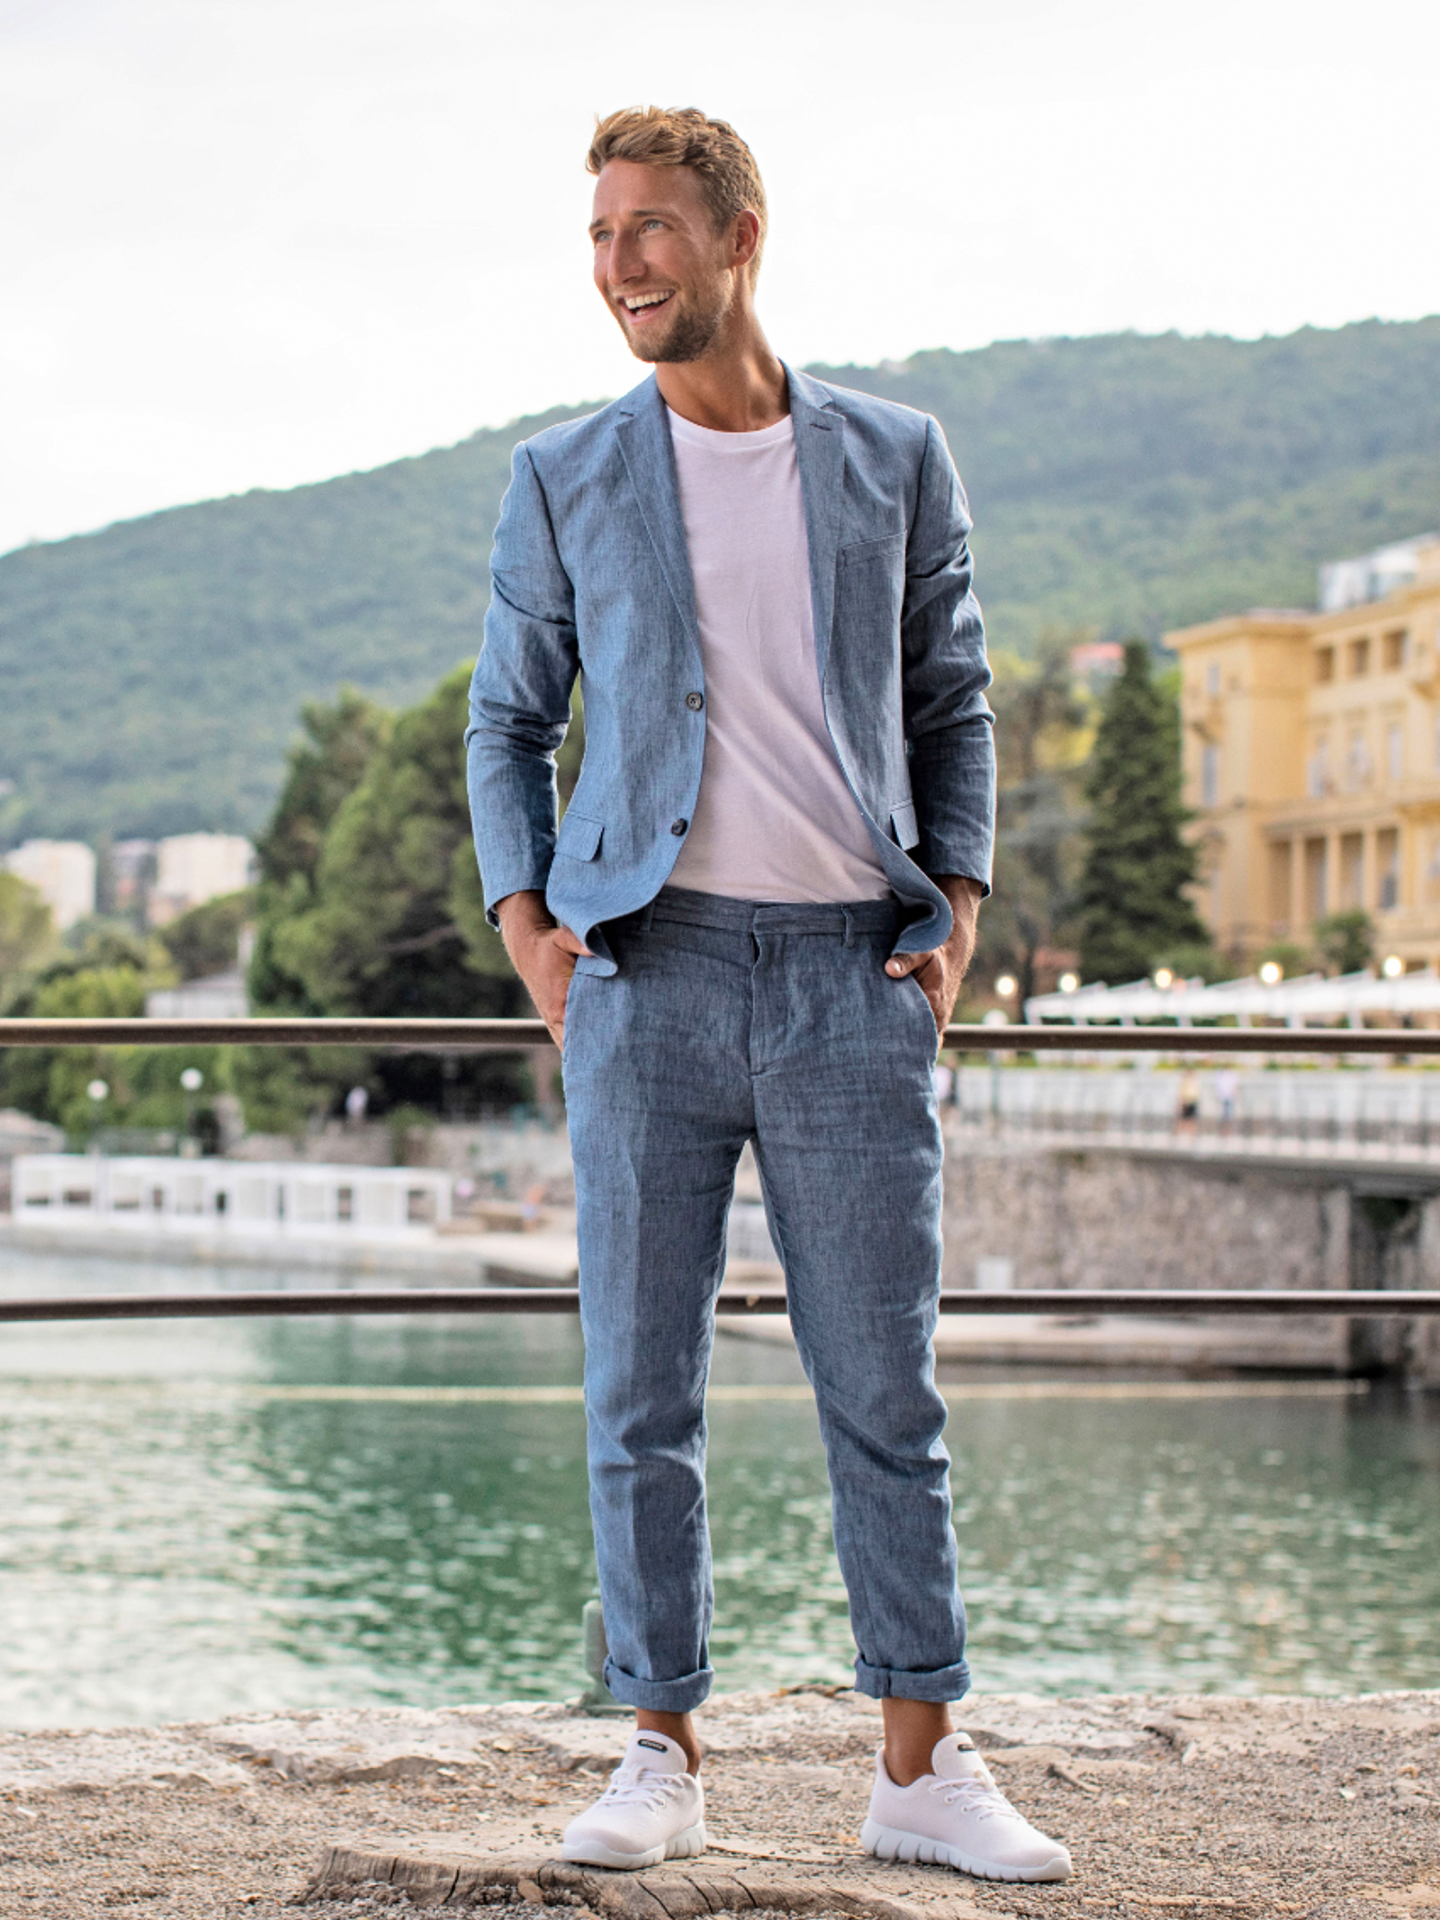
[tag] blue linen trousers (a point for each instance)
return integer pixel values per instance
(726, 1021)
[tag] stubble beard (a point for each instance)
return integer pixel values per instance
(689, 336)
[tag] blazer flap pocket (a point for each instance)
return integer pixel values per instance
(882, 549)
(903, 825)
(579, 836)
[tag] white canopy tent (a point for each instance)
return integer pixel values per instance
(1312, 999)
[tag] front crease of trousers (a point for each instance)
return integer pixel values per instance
(730, 1021)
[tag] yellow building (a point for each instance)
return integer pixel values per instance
(1312, 758)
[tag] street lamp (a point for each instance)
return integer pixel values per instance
(1069, 983)
(1007, 986)
(191, 1080)
(1393, 966)
(97, 1093)
(1164, 978)
(1272, 973)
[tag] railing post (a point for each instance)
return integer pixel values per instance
(597, 1698)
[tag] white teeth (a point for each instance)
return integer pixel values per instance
(645, 300)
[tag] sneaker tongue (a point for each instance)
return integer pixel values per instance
(955, 1758)
(656, 1752)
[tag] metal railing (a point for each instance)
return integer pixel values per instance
(464, 1035)
(457, 1036)
(1067, 1302)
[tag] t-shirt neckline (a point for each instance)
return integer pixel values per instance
(712, 437)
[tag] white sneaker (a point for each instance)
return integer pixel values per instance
(956, 1816)
(652, 1810)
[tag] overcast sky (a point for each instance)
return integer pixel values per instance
(256, 242)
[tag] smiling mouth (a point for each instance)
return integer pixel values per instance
(640, 307)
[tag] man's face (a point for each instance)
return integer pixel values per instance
(660, 266)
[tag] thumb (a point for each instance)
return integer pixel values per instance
(899, 964)
(569, 942)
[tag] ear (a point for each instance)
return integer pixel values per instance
(745, 238)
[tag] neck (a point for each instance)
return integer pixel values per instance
(738, 386)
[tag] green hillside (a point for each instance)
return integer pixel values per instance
(154, 672)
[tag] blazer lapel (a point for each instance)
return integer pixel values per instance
(644, 435)
(820, 455)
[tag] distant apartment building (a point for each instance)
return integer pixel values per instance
(191, 868)
(1097, 660)
(130, 876)
(1312, 757)
(62, 871)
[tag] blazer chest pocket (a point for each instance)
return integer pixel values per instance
(579, 836)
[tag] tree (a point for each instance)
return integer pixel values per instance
(324, 769)
(1133, 900)
(393, 921)
(1042, 735)
(27, 934)
(142, 1083)
(206, 940)
(1346, 941)
(396, 889)
(370, 903)
(282, 1087)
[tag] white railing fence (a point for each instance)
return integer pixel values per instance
(1363, 1112)
(248, 1196)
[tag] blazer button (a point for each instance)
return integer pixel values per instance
(678, 827)
(694, 701)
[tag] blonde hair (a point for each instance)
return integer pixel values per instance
(685, 137)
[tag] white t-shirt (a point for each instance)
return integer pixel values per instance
(774, 819)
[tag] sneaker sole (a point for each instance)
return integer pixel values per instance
(681, 1846)
(893, 1843)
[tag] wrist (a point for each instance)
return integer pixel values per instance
(524, 913)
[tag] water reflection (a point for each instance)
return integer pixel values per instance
(185, 1533)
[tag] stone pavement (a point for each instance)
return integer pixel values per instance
(1171, 1805)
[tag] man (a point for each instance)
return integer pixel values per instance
(751, 925)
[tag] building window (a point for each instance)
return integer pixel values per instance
(1279, 887)
(1212, 680)
(1359, 658)
(1387, 865)
(1316, 890)
(1318, 774)
(1357, 760)
(1324, 665)
(1392, 650)
(1352, 870)
(1394, 753)
(1209, 776)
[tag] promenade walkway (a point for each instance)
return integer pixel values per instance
(1191, 1806)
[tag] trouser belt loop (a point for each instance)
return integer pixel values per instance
(647, 914)
(849, 927)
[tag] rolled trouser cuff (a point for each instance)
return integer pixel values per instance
(940, 1684)
(660, 1696)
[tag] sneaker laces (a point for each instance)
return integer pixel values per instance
(641, 1787)
(973, 1797)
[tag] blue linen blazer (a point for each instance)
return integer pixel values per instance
(591, 575)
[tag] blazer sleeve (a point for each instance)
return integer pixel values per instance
(948, 722)
(520, 694)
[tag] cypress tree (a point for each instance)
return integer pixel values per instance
(1132, 897)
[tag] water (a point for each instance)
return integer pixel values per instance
(203, 1517)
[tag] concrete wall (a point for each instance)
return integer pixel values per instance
(1107, 1217)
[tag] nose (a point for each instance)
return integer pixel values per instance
(626, 260)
